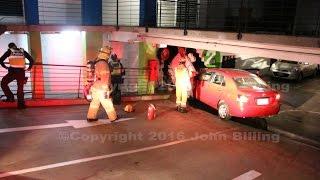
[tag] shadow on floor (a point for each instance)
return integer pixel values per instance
(17, 177)
(259, 123)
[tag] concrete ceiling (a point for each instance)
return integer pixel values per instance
(303, 49)
(253, 49)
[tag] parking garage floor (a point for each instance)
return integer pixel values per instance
(57, 142)
(300, 112)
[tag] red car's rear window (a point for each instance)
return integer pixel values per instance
(250, 82)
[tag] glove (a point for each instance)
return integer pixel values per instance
(107, 95)
(86, 93)
(85, 83)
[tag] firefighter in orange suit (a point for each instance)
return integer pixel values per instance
(101, 88)
(16, 71)
(181, 56)
(183, 85)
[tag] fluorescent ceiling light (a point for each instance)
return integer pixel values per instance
(162, 45)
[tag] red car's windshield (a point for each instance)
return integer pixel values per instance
(250, 82)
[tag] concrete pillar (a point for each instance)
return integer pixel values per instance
(147, 51)
(148, 14)
(36, 75)
(93, 42)
(38, 91)
(91, 12)
(31, 12)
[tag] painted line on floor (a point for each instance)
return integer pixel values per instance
(83, 160)
(70, 123)
(78, 161)
(306, 141)
(28, 128)
(298, 110)
(248, 175)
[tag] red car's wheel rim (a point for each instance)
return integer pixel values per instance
(223, 111)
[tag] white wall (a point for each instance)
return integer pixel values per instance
(12, 20)
(21, 40)
(59, 11)
(65, 48)
(129, 55)
(129, 11)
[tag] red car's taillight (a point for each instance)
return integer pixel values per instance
(242, 99)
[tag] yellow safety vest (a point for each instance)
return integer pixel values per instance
(17, 59)
(116, 69)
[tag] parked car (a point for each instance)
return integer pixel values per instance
(236, 93)
(256, 65)
(293, 70)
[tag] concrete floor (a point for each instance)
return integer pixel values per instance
(300, 111)
(132, 150)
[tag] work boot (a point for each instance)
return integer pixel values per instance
(92, 119)
(178, 108)
(21, 106)
(112, 116)
(183, 110)
(25, 80)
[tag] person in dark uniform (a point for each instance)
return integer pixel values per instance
(117, 73)
(16, 71)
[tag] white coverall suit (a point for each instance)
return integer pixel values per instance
(183, 85)
(101, 89)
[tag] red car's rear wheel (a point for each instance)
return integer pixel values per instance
(224, 111)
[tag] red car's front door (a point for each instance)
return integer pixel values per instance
(214, 90)
(202, 85)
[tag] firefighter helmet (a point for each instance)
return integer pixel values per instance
(104, 53)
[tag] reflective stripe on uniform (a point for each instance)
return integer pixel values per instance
(116, 68)
(17, 59)
(17, 62)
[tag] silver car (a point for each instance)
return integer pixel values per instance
(293, 70)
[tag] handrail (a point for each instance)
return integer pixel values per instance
(284, 17)
(81, 66)
(50, 80)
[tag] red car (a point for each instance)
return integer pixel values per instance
(236, 93)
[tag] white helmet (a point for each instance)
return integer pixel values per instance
(104, 52)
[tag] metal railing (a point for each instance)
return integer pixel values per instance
(242, 16)
(285, 17)
(121, 12)
(51, 81)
